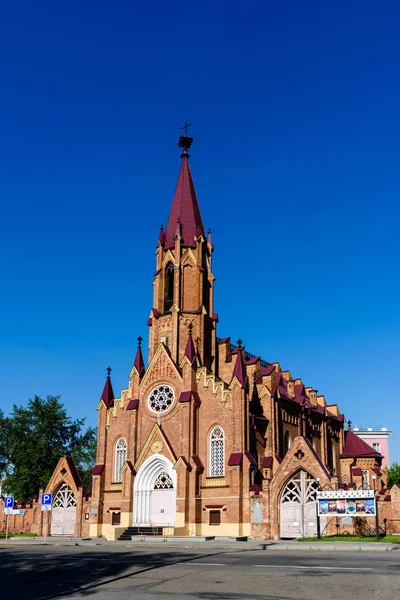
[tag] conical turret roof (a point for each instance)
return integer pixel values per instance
(184, 210)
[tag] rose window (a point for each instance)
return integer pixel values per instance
(161, 398)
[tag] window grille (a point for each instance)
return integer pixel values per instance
(64, 498)
(120, 458)
(217, 452)
(161, 398)
(163, 482)
(365, 480)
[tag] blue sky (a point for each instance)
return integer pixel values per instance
(296, 122)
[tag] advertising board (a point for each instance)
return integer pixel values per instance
(346, 503)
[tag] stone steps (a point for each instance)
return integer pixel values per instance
(142, 531)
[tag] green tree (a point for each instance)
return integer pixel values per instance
(393, 473)
(3, 446)
(37, 436)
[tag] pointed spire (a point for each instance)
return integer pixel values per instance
(139, 363)
(178, 230)
(239, 370)
(190, 351)
(209, 238)
(185, 206)
(161, 237)
(108, 394)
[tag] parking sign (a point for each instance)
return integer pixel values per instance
(8, 505)
(47, 499)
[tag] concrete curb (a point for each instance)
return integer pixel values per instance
(231, 544)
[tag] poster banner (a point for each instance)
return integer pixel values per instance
(352, 503)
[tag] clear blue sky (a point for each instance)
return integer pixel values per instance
(295, 112)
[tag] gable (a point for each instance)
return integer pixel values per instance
(65, 471)
(156, 443)
(161, 367)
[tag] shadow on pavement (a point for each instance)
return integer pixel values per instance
(50, 573)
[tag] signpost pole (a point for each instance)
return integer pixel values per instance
(45, 527)
(376, 521)
(318, 517)
(376, 511)
(7, 516)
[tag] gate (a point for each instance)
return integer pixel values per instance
(63, 515)
(298, 507)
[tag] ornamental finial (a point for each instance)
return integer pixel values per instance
(109, 369)
(184, 141)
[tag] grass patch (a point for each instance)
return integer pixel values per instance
(3, 535)
(389, 539)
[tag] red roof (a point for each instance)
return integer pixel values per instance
(356, 447)
(235, 459)
(198, 463)
(133, 404)
(108, 395)
(139, 363)
(184, 210)
(239, 370)
(267, 462)
(190, 351)
(97, 469)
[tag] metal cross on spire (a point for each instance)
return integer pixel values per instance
(184, 141)
(109, 369)
(185, 127)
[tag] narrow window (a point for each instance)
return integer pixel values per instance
(217, 452)
(120, 458)
(286, 443)
(215, 517)
(332, 456)
(365, 480)
(169, 287)
(376, 446)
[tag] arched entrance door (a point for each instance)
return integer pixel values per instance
(63, 514)
(298, 517)
(155, 493)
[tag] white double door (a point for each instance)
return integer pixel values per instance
(155, 493)
(63, 514)
(298, 516)
(162, 507)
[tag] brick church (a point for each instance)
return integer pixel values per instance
(208, 439)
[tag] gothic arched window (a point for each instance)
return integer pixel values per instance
(120, 458)
(217, 452)
(168, 287)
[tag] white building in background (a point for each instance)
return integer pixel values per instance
(378, 439)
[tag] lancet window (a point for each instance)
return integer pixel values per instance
(217, 452)
(120, 458)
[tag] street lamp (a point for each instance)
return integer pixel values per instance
(376, 510)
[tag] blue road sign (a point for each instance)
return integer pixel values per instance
(47, 499)
(9, 502)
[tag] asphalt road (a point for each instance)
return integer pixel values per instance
(114, 573)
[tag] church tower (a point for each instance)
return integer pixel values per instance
(183, 284)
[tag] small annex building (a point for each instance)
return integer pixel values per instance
(208, 439)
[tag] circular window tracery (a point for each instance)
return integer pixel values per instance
(161, 398)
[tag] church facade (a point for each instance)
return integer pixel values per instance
(208, 439)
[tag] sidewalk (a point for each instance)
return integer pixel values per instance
(216, 543)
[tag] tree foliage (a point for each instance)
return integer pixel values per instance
(393, 473)
(36, 437)
(3, 446)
